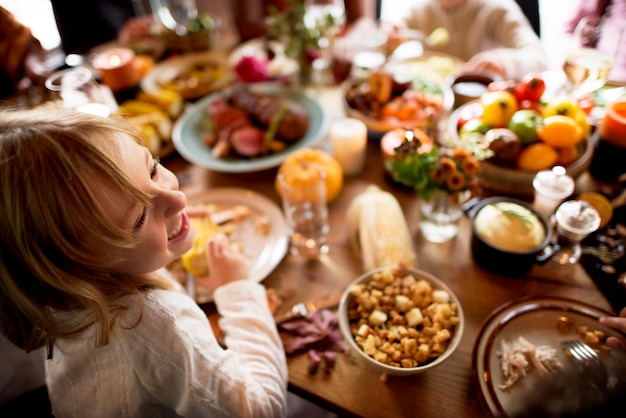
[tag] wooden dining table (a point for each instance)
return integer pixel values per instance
(352, 388)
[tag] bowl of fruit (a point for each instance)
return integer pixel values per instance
(385, 102)
(525, 133)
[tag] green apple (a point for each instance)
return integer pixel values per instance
(525, 124)
(472, 126)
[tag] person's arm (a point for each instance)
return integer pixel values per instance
(179, 362)
(358, 9)
(520, 50)
(16, 44)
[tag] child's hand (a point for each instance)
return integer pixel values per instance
(619, 323)
(225, 263)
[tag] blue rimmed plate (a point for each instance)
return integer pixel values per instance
(188, 131)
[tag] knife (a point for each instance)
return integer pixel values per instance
(302, 309)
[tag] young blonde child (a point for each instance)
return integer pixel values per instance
(89, 220)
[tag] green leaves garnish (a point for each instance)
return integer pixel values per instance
(523, 218)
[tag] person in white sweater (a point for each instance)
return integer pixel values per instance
(489, 35)
(89, 220)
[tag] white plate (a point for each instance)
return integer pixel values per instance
(537, 321)
(188, 131)
(279, 66)
(167, 70)
(263, 252)
(435, 66)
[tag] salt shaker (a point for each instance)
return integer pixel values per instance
(575, 219)
(551, 188)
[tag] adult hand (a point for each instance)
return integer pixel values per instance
(618, 323)
(136, 28)
(226, 264)
(485, 62)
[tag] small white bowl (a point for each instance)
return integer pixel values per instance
(436, 284)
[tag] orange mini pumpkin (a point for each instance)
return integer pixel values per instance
(295, 166)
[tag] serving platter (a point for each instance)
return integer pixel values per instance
(541, 321)
(263, 250)
(166, 71)
(188, 131)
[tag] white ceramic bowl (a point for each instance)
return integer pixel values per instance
(346, 326)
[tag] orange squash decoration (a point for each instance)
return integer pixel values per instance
(297, 163)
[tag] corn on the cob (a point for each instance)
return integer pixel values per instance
(169, 100)
(161, 122)
(153, 140)
(136, 107)
(378, 230)
(194, 260)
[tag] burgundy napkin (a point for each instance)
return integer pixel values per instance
(319, 334)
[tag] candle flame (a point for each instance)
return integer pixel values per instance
(115, 60)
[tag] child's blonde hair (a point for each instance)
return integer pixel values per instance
(50, 162)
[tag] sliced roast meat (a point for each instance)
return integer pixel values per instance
(263, 108)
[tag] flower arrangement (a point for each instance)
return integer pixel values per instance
(301, 42)
(430, 169)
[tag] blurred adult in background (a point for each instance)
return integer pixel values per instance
(19, 51)
(490, 35)
(88, 23)
(612, 29)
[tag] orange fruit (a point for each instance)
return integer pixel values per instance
(599, 203)
(560, 131)
(536, 157)
(567, 155)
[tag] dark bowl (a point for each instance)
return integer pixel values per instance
(507, 261)
(470, 86)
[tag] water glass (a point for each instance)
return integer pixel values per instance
(78, 90)
(306, 210)
(440, 215)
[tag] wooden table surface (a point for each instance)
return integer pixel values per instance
(352, 388)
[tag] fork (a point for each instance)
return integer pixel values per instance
(297, 311)
(590, 361)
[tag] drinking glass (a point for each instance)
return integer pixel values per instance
(325, 19)
(175, 15)
(575, 219)
(306, 211)
(77, 89)
(590, 58)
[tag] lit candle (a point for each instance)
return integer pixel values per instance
(117, 68)
(348, 138)
(393, 139)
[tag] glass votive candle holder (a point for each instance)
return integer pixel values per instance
(348, 137)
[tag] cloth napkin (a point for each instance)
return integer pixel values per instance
(318, 334)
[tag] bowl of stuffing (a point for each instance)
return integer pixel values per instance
(401, 321)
